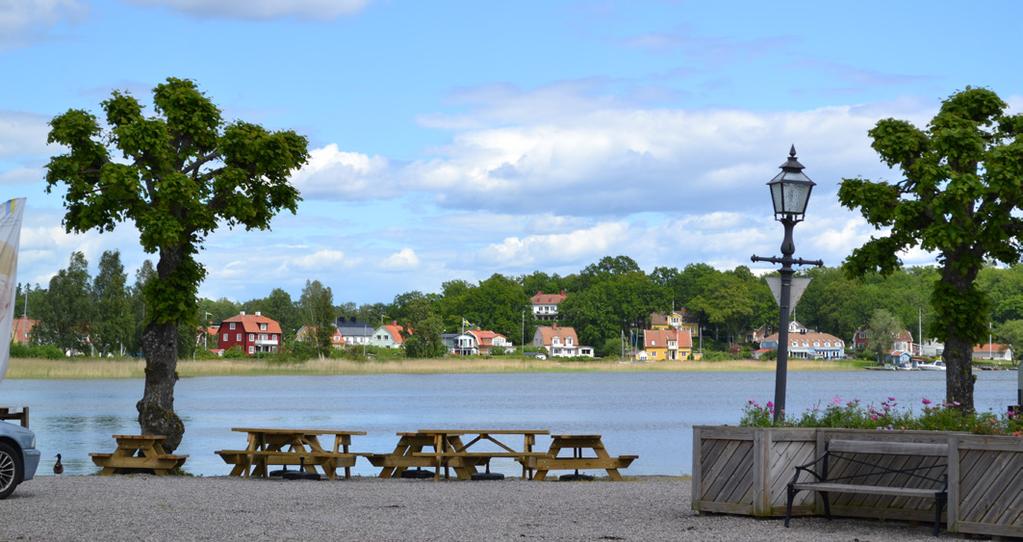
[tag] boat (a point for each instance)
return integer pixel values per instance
(934, 366)
(880, 368)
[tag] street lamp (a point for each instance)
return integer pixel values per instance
(790, 192)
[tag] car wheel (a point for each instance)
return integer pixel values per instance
(10, 469)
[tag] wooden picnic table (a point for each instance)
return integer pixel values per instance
(291, 446)
(138, 453)
(19, 413)
(449, 451)
(577, 443)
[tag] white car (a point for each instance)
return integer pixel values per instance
(540, 356)
(19, 457)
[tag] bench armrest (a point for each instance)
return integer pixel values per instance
(809, 468)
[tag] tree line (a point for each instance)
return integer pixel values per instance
(607, 300)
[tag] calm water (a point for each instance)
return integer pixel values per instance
(649, 414)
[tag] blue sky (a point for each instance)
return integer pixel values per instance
(458, 139)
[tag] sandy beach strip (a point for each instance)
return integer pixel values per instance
(142, 507)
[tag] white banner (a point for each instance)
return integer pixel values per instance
(10, 234)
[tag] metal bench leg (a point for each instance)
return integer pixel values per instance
(791, 494)
(827, 505)
(939, 505)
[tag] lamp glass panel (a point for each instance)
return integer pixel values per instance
(776, 197)
(795, 197)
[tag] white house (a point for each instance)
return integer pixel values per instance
(809, 344)
(992, 351)
(545, 306)
(560, 342)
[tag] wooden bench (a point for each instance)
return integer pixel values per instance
(854, 451)
(136, 453)
(577, 443)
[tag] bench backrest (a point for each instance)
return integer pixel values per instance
(887, 447)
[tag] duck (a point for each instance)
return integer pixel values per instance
(58, 467)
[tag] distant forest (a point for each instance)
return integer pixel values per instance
(606, 300)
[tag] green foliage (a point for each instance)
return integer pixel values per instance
(612, 348)
(882, 330)
(66, 315)
(235, 352)
(46, 351)
(175, 175)
(426, 341)
(317, 311)
(887, 416)
(113, 325)
(960, 197)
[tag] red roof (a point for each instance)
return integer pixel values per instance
(547, 334)
(991, 347)
(658, 338)
(22, 329)
(541, 298)
(484, 337)
(250, 323)
(395, 330)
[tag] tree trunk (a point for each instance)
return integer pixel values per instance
(156, 409)
(959, 377)
(957, 284)
(160, 346)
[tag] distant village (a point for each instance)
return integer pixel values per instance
(674, 336)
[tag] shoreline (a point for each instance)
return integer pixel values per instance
(95, 369)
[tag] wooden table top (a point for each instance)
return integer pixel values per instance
(295, 431)
(140, 437)
(570, 437)
(478, 432)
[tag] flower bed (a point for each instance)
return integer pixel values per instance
(889, 415)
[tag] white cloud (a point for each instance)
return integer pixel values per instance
(574, 246)
(405, 258)
(332, 173)
(262, 9)
(321, 259)
(23, 134)
(23, 21)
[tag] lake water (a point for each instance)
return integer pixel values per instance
(648, 414)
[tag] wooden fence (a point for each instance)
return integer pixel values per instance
(744, 470)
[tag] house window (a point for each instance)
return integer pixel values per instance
(238, 337)
(231, 325)
(795, 344)
(273, 348)
(251, 336)
(816, 344)
(827, 344)
(251, 349)
(225, 337)
(805, 344)
(568, 341)
(262, 327)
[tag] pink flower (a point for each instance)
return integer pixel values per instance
(891, 399)
(926, 401)
(837, 401)
(770, 404)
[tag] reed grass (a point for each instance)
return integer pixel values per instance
(92, 368)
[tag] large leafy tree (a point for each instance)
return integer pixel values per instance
(317, 309)
(66, 314)
(176, 175)
(961, 198)
(113, 325)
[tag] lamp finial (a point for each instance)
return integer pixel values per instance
(792, 151)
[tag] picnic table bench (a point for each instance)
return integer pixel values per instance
(450, 452)
(137, 453)
(292, 446)
(577, 443)
(855, 451)
(19, 413)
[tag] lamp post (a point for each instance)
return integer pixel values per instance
(790, 192)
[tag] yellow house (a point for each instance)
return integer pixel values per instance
(667, 345)
(674, 320)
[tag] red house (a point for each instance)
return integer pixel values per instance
(254, 333)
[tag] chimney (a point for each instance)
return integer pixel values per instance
(554, 325)
(243, 313)
(259, 313)
(563, 292)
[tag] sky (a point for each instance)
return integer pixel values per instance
(457, 139)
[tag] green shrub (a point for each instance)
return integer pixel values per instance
(47, 351)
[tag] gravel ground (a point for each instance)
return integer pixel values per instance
(141, 507)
